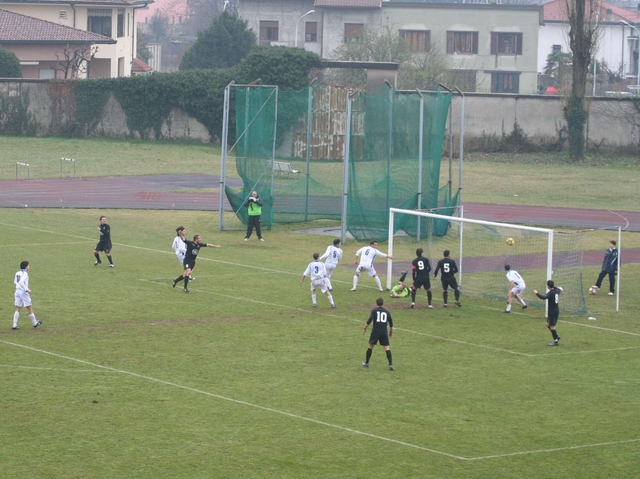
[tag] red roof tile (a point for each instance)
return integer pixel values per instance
(139, 66)
(349, 3)
(556, 11)
(17, 28)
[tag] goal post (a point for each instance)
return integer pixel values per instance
(481, 251)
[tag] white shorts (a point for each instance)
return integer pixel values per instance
(319, 283)
(180, 257)
(330, 267)
(23, 299)
(371, 271)
(518, 290)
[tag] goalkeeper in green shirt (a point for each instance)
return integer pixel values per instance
(400, 290)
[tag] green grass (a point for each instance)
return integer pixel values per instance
(601, 181)
(128, 377)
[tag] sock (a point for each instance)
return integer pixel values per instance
(522, 302)
(16, 315)
(369, 351)
(355, 281)
(186, 281)
(110, 260)
(429, 296)
(389, 357)
(456, 294)
(313, 298)
(554, 334)
(34, 321)
(508, 307)
(378, 282)
(445, 297)
(97, 257)
(413, 295)
(179, 278)
(331, 301)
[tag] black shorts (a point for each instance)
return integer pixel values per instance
(103, 246)
(383, 338)
(446, 282)
(552, 320)
(424, 282)
(189, 264)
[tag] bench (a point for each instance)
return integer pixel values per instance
(283, 167)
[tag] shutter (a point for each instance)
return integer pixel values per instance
(518, 43)
(449, 42)
(494, 43)
(475, 43)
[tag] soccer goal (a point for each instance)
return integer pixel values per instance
(482, 249)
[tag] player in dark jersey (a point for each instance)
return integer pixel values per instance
(420, 269)
(193, 247)
(104, 244)
(553, 310)
(380, 317)
(448, 268)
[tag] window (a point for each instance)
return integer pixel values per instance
(353, 32)
(462, 42)
(418, 40)
(268, 32)
(120, 22)
(99, 21)
(62, 15)
(505, 82)
(311, 32)
(506, 43)
(556, 48)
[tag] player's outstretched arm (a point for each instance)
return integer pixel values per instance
(213, 246)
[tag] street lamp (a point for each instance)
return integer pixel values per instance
(298, 22)
(638, 49)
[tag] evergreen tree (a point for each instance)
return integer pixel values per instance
(9, 65)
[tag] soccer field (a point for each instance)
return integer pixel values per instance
(129, 377)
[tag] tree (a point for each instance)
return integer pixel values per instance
(203, 12)
(159, 27)
(558, 67)
(582, 40)
(9, 65)
(142, 51)
(224, 44)
(75, 60)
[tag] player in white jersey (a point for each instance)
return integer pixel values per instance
(23, 296)
(179, 246)
(318, 275)
(332, 257)
(516, 287)
(367, 255)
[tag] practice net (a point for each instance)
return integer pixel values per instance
(481, 251)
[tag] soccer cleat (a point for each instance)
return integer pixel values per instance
(37, 324)
(315, 305)
(261, 239)
(112, 266)
(15, 328)
(191, 278)
(333, 305)
(185, 290)
(391, 367)
(555, 343)
(505, 311)
(175, 281)
(365, 364)
(445, 305)
(97, 263)
(246, 239)
(525, 306)
(353, 289)
(611, 293)
(430, 306)
(458, 304)
(413, 305)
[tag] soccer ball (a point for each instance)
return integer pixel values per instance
(592, 290)
(510, 241)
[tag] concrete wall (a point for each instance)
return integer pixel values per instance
(614, 124)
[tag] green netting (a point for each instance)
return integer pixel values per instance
(384, 154)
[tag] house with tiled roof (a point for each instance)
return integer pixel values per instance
(44, 48)
(114, 19)
(617, 41)
(491, 47)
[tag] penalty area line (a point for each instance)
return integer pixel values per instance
(240, 402)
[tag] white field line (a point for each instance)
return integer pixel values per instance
(41, 244)
(15, 366)
(315, 421)
(237, 401)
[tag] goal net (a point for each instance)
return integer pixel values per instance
(482, 249)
